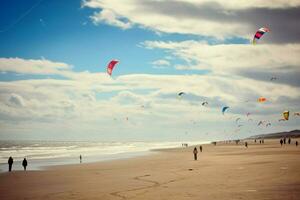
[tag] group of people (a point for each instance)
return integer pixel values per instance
(260, 141)
(195, 152)
(11, 162)
(283, 141)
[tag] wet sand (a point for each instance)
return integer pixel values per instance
(225, 171)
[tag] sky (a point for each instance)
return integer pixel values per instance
(54, 85)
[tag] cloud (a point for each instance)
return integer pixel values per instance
(99, 106)
(16, 100)
(160, 64)
(207, 18)
(236, 59)
(44, 67)
(109, 17)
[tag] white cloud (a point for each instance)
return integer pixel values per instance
(217, 18)
(87, 104)
(16, 100)
(30, 66)
(231, 58)
(160, 64)
(109, 17)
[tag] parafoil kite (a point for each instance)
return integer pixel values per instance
(181, 93)
(224, 109)
(261, 99)
(273, 78)
(260, 123)
(259, 33)
(111, 66)
(286, 115)
(204, 103)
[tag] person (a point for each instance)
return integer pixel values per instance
(195, 153)
(263, 141)
(296, 143)
(246, 144)
(289, 141)
(10, 163)
(24, 163)
(200, 148)
(259, 141)
(255, 140)
(281, 141)
(80, 158)
(284, 140)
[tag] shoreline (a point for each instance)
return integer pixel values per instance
(42, 163)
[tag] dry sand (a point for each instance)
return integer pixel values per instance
(265, 171)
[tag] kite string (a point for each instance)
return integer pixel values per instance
(21, 17)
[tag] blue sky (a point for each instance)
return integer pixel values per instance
(62, 30)
(53, 59)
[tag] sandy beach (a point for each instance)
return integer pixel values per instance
(225, 171)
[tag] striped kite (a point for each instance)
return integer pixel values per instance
(259, 33)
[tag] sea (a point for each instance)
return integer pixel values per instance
(42, 154)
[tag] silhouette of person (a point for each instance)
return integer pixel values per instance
(246, 144)
(24, 164)
(296, 143)
(80, 158)
(195, 153)
(281, 141)
(259, 141)
(10, 163)
(284, 140)
(200, 148)
(289, 141)
(263, 141)
(255, 140)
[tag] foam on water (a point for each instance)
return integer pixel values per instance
(45, 153)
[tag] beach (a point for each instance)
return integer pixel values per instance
(224, 171)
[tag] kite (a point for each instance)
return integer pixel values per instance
(111, 66)
(273, 78)
(224, 109)
(261, 99)
(280, 120)
(259, 33)
(286, 115)
(181, 93)
(204, 103)
(297, 114)
(260, 123)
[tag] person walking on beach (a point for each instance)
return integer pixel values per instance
(10, 163)
(24, 164)
(281, 141)
(296, 143)
(195, 153)
(284, 140)
(80, 158)
(289, 141)
(200, 148)
(246, 144)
